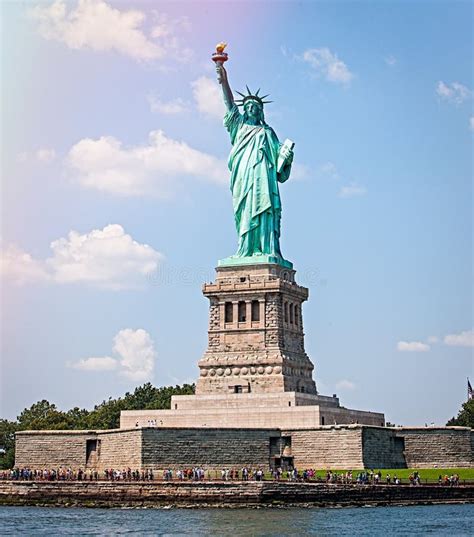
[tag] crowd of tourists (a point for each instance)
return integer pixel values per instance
(226, 474)
(69, 474)
(54, 474)
(374, 478)
(198, 473)
(449, 480)
(194, 474)
(128, 475)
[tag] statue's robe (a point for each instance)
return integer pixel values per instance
(254, 185)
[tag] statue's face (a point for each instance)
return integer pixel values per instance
(253, 109)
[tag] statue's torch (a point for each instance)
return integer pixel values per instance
(219, 57)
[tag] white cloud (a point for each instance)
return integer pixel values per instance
(136, 353)
(390, 60)
(471, 123)
(463, 339)
(455, 92)
(148, 169)
(96, 25)
(172, 107)
(345, 385)
(46, 155)
(412, 346)
(134, 356)
(167, 29)
(299, 171)
(433, 339)
(329, 169)
(328, 65)
(20, 267)
(107, 258)
(352, 190)
(103, 363)
(208, 96)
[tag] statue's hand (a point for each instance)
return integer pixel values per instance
(221, 73)
(287, 154)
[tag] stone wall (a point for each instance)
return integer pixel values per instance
(188, 494)
(443, 447)
(51, 449)
(155, 448)
(226, 417)
(277, 410)
(381, 448)
(261, 353)
(417, 447)
(336, 447)
(359, 446)
(120, 449)
(273, 313)
(332, 415)
(210, 448)
(40, 449)
(214, 323)
(327, 447)
(277, 400)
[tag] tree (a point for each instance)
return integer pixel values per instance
(106, 415)
(7, 443)
(78, 418)
(146, 397)
(44, 415)
(465, 417)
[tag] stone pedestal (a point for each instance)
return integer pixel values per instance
(256, 338)
(255, 372)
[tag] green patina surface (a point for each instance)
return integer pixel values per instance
(258, 163)
(234, 261)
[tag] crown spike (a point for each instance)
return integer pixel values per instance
(251, 96)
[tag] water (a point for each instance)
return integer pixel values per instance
(452, 520)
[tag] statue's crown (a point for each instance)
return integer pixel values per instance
(251, 97)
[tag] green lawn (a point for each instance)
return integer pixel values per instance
(430, 474)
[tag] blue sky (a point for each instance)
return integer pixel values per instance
(116, 208)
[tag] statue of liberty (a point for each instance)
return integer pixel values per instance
(257, 162)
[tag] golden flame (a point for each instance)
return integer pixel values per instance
(220, 47)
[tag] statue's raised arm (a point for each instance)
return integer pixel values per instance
(226, 91)
(219, 58)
